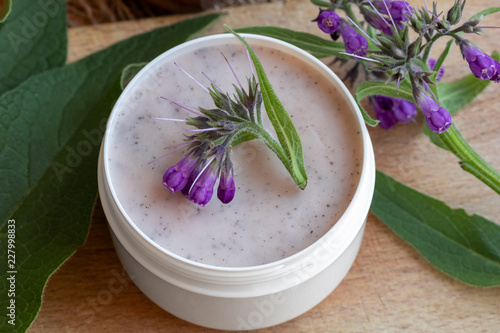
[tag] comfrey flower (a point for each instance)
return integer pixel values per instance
(202, 189)
(354, 42)
(481, 65)
(378, 22)
(391, 110)
(328, 22)
(226, 189)
(432, 62)
(176, 177)
(438, 118)
(398, 10)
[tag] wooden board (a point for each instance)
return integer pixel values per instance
(390, 286)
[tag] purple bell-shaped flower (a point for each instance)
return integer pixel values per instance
(438, 118)
(202, 190)
(176, 177)
(226, 189)
(481, 65)
(354, 42)
(328, 22)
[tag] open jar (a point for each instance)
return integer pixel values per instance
(275, 251)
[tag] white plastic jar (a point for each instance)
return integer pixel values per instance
(249, 297)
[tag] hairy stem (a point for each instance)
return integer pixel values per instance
(470, 161)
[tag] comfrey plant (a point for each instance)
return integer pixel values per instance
(234, 120)
(402, 75)
(388, 24)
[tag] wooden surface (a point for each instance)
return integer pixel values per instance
(390, 286)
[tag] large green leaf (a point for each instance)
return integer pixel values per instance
(318, 46)
(32, 39)
(464, 247)
(53, 125)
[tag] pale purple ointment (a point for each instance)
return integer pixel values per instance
(270, 218)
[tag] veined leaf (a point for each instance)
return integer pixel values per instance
(53, 125)
(366, 89)
(462, 246)
(283, 125)
(33, 39)
(318, 46)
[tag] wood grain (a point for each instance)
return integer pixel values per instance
(390, 287)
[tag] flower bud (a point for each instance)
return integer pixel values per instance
(432, 62)
(481, 65)
(328, 22)
(202, 190)
(455, 13)
(354, 42)
(377, 22)
(391, 110)
(404, 110)
(438, 118)
(398, 10)
(496, 77)
(226, 189)
(176, 177)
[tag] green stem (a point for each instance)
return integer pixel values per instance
(249, 131)
(470, 161)
(348, 10)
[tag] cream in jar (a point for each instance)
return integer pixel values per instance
(270, 218)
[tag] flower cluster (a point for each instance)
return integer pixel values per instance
(330, 23)
(386, 15)
(195, 175)
(391, 110)
(395, 57)
(208, 155)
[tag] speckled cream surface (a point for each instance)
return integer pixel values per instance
(270, 218)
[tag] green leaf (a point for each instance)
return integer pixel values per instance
(33, 39)
(366, 89)
(462, 246)
(456, 95)
(320, 47)
(53, 125)
(321, 3)
(485, 12)
(283, 125)
(129, 72)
